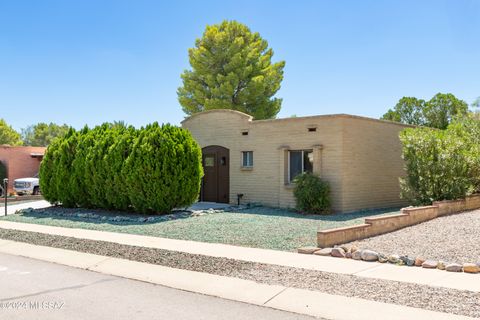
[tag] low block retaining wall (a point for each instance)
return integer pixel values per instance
(409, 216)
(23, 198)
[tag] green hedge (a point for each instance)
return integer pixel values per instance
(312, 194)
(441, 164)
(112, 166)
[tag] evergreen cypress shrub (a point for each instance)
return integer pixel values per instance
(117, 190)
(169, 156)
(55, 169)
(312, 194)
(112, 166)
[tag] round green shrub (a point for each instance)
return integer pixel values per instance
(168, 155)
(312, 194)
(112, 166)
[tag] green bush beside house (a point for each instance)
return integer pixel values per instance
(441, 164)
(112, 166)
(312, 194)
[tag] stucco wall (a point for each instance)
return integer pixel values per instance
(19, 162)
(334, 156)
(372, 164)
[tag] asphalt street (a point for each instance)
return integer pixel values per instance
(32, 289)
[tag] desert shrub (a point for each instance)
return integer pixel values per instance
(441, 164)
(312, 194)
(112, 166)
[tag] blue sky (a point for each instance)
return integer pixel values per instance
(90, 61)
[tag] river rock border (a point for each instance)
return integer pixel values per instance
(352, 252)
(409, 216)
(117, 217)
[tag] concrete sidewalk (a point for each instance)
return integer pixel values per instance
(313, 303)
(460, 281)
(12, 208)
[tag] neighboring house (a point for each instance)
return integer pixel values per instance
(359, 157)
(21, 162)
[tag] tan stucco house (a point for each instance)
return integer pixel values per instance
(360, 158)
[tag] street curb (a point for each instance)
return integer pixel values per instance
(438, 278)
(313, 303)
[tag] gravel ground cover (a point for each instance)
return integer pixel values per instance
(453, 238)
(420, 296)
(259, 227)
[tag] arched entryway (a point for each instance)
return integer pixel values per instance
(216, 179)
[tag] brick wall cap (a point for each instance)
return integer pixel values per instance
(357, 226)
(244, 115)
(448, 201)
(419, 208)
(387, 217)
(338, 115)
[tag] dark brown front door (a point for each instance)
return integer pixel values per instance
(216, 181)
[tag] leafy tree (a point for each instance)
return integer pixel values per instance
(408, 110)
(42, 134)
(438, 112)
(231, 69)
(476, 104)
(442, 109)
(8, 135)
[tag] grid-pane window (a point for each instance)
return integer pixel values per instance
(247, 159)
(298, 162)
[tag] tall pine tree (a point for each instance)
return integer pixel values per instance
(231, 69)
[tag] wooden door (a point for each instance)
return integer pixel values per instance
(216, 179)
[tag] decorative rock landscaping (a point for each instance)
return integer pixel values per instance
(450, 243)
(256, 226)
(454, 267)
(92, 215)
(430, 264)
(308, 250)
(440, 299)
(369, 255)
(338, 252)
(323, 252)
(471, 268)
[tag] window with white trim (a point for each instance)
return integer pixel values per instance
(247, 159)
(299, 161)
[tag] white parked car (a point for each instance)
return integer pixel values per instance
(27, 186)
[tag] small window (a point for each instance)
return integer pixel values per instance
(209, 161)
(244, 133)
(312, 129)
(299, 162)
(247, 159)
